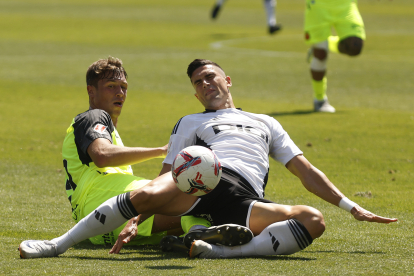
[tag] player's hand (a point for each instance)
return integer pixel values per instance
(127, 234)
(164, 151)
(361, 214)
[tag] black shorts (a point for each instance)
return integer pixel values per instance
(229, 202)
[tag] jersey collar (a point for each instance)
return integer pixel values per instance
(212, 110)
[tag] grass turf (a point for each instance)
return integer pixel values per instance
(365, 148)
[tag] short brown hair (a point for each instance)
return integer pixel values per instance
(104, 68)
(197, 63)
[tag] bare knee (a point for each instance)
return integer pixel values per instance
(311, 218)
(351, 46)
(264, 214)
(140, 199)
(147, 198)
(320, 54)
(318, 224)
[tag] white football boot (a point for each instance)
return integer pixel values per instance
(37, 249)
(201, 249)
(323, 106)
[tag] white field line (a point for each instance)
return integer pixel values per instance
(231, 43)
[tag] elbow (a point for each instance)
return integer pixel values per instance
(101, 161)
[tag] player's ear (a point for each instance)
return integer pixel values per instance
(228, 80)
(195, 94)
(91, 90)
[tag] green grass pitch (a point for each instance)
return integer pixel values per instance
(366, 148)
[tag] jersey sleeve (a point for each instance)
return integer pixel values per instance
(182, 136)
(282, 148)
(92, 125)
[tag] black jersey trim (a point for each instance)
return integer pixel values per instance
(200, 142)
(212, 110)
(174, 131)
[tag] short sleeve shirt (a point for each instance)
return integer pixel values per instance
(241, 140)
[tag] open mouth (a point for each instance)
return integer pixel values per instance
(119, 104)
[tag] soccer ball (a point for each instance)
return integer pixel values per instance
(196, 170)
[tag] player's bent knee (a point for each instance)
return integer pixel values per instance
(320, 54)
(312, 219)
(351, 46)
(318, 224)
(140, 198)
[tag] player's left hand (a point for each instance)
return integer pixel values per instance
(127, 234)
(361, 214)
(164, 151)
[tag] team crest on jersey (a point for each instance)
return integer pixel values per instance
(99, 128)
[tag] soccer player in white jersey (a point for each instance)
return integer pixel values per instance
(270, 8)
(242, 141)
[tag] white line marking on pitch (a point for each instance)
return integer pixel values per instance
(228, 44)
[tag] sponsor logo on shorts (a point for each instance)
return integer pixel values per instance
(108, 238)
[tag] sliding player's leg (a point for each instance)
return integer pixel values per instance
(160, 196)
(280, 230)
(106, 187)
(175, 242)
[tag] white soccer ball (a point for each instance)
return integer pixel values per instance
(196, 170)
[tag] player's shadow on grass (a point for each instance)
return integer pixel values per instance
(169, 267)
(346, 252)
(151, 255)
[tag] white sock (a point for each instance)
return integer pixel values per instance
(220, 2)
(108, 216)
(270, 6)
(280, 238)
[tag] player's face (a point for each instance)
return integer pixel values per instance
(109, 96)
(212, 87)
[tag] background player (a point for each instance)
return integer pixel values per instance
(270, 8)
(242, 141)
(320, 17)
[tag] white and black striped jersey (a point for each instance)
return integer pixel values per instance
(241, 140)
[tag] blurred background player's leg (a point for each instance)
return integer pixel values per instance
(270, 8)
(351, 31)
(317, 32)
(319, 19)
(216, 9)
(319, 81)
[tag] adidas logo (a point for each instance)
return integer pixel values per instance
(275, 242)
(100, 217)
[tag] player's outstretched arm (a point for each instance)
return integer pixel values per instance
(317, 183)
(104, 154)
